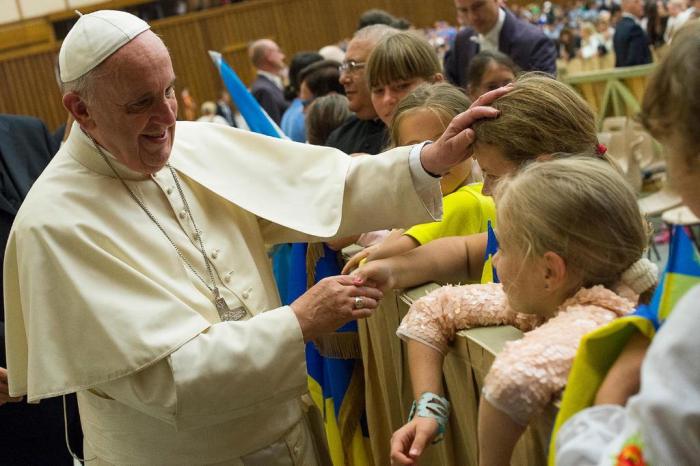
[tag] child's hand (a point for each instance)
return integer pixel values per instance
(354, 261)
(409, 442)
(376, 273)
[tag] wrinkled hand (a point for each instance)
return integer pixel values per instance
(5, 390)
(330, 304)
(354, 261)
(378, 273)
(455, 144)
(409, 442)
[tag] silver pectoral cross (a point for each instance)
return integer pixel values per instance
(225, 312)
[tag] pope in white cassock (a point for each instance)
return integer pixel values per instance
(136, 272)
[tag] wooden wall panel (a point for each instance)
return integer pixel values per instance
(28, 80)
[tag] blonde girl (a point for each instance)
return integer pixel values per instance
(423, 115)
(397, 65)
(562, 274)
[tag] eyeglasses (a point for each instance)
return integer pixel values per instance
(350, 66)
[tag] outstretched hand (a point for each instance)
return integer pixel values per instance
(333, 302)
(455, 144)
(410, 441)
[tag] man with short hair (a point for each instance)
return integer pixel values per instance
(490, 27)
(363, 132)
(268, 88)
(630, 42)
(136, 273)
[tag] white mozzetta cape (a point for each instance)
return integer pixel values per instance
(94, 292)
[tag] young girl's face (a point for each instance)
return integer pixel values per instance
(493, 165)
(423, 124)
(495, 76)
(386, 97)
(521, 276)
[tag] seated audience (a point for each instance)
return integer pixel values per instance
(562, 276)
(421, 116)
(490, 70)
(661, 423)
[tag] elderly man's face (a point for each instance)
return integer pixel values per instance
(134, 108)
(482, 15)
(355, 80)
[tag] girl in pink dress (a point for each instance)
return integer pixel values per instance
(571, 242)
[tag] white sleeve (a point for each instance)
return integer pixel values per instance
(228, 371)
(585, 438)
(383, 191)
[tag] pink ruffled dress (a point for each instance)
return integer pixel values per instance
(531, 372)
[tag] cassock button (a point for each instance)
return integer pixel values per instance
(245, 295)
(183, 214)
(215, 254)
(227, 277)
(169, 190)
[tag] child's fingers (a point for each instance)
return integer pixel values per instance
(400, 443)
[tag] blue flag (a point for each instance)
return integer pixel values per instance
(682, 272)
(254, 115)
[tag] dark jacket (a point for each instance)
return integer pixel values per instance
(529, 48)
(359, 136)
(270, 97)
(29, 434)
(631, 44)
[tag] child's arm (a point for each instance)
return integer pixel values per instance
(429, 326)
(409, 442)
(457, 259)
(435, 318)
(498, 434)
(623, 378)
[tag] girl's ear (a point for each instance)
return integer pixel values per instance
(438, 78)
(556, 275)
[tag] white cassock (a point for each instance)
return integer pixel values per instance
(98, 302)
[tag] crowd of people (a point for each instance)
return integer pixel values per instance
(148, 289)
(586, 29)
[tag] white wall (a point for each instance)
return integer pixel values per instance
(8, 11)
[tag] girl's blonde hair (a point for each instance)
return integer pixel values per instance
(444, 100)
(579, 208)
(539, 116)
(402, 56)
(672, 100)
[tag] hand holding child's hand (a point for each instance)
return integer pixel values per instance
(409, 442)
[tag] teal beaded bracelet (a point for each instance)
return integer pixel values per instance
(435, 407)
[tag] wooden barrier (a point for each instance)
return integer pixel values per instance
(28, 74)
(612, 92)
(389, 394)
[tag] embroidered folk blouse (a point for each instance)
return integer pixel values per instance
(531, 372)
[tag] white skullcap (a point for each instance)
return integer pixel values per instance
(95, 37)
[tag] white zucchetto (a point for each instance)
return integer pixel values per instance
(95, 37)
